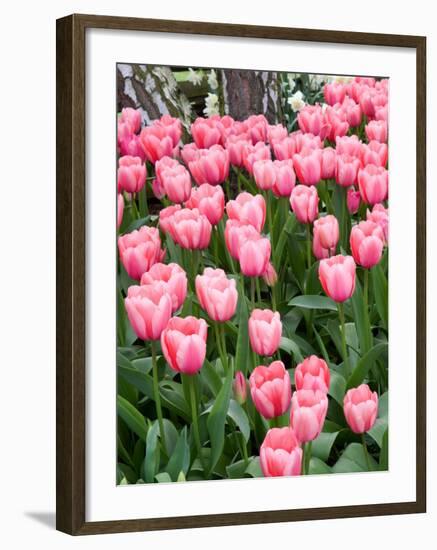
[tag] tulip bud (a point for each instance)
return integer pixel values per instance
(240, 387)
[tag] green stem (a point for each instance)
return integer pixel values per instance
(258, 290)
(219, 345)
(158, 397)
(252, 292)
(368, 340)
(343, 338)
(366, 452)
(228, 190)
(225, 354)
(194, 417)
(307, 457)
(272, 293)
(309, 255)
(134, 207)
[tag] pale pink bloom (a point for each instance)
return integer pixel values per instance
(334, 92)
(353, 200)
(264, 174)
(236, 233)
(308, 413)
(120, 209)
(183, 344)
(165, 216)
(217, 294)
(157, 143)
(189, 229)
(176, 183)
(375, 153)
(379, 215)
(328, 232)
(377, 130)
(265, 331)
(280, 453)
(172, 278)
(132, 117)
(254, 255)
(308, 166)
(304, 202)
(328, 163)
(311, 119)
(337, 277)
(252, 153)
(248, 209)
(211, 165)
(236, 146)
(209, 200)
(149, 309)
(131, 174)
(285, 178)
(373, 183)
(270, 276)
(270, 388)
(339, 126)
(239, 387)
(139, 250)
(346, 170)
(349, 145)
(207, 132)
(367, 242)
(257, 127)
(361, 408)
(312, 374)
(276, 132)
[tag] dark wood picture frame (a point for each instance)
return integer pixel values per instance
(70, 299)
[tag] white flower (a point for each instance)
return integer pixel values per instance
(194, 77)
(212, 80)
(291, 81)
(296, 101)
(316, 81)
(211, 105)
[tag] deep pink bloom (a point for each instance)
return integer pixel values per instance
(252, 153)
(367, 242)
(189, 229)
(337, 277)
(373, 183)
(257, 128)
(312, 374)
(334, 92)
(311, 119)
(270, 388)
(379, 215)
(207, 132)
(361, 408)
(165, 216)
(270, 276)
(328, 163)
(346, 170)
(149, 309)
(131, 174)
(308, 413)
(132, 117)
(236, 233)
(264, 174)
(139, 250)
(328, 232)
(172, 278)
(308, 166)
(254, 255)
(265, 331)
(304, 202)
(285, 178)
(280, 453)
(176, 183)
(240, 387)
(211, 165)
(183, 344)
(217, 294)
(236, 146)
(157, 142)
(248, 209)
(209, 200)
(353, 199)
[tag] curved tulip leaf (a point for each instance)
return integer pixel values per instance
(353, 459)
(313, 302)
(364, 364)
(211, 378)
(180, 458)
(151, 461)
(254, 468)
(321, 447)
(317, 466)
(337, 387)
(361, 321)
(217, 419)
(163, 477)
(378, 430)
(286, 344)
(132, 416)
(383, 457)
(237, 414)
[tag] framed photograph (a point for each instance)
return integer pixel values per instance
(241, 274)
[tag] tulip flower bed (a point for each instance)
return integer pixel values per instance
(252, 321)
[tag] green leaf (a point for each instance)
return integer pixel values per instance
(236, 470)
(242, 354)
(133, 418)
(321, 447)
(140, 380)
(383, 406)
(383, 457)
(236, 412)
(313, 302)
(378, 430)
(380, 292)
(317, 466)
(288, 228)
(180, 459)
(337, 387)
(360, 319)
(172, 395)
(163, 477)
(321, 345)
(286, 344)
(151, 461)
(254, 468)
(209, 375)
(217, 419)
(353, 459)
(364, 364)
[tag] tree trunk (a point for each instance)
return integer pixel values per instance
(248, 93)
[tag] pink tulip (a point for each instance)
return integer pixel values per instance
(319, 252)
(236, 233)
(129, 143)
(381, 113)
(308, 413)
(374, 153)
(206, 132)
(361, 408)
(264, 174)
(120, 209)
(328, 232)
(217, 294)
(280, 453)
(209, 200)
(149, 310)
(257, 127)
(373, 183)
(276, 132)
(132, 117)
(163, 164)
(328, 163)
(346, 170)
(252, 153)
(338, 124)
(183, 344)
(304, 202)
(285, 178)
(311, 119)
(165, 216)
(236, 146)
(308, 166)
(240, 387)
(131, 174)
(254, 255)
(139, 250)
(379, 215)
(265, 331)
(352, 112)
(270, 276)
(377, 130)
(367, 242)
(270, 389)
(189, 229)
(312, 374)
(189, 152)
(176, 183)
(334, 92)
(353, 200)
(337, 277)
(173, 280)
(211, 165)
(248, 209)
(348, 145)
(156, 143)
(285, 148)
